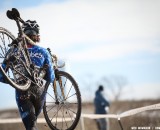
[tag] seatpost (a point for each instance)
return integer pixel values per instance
(19, 28)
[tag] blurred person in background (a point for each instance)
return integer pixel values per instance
(101, 107)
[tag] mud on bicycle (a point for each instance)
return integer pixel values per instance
(62, 107)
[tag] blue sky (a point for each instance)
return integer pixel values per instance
(26, 3)
(97, 38)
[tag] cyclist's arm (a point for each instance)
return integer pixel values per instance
(2, 78)
(49, 72)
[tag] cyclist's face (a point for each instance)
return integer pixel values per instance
(35, 38)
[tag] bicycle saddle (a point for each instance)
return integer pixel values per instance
(13, 14)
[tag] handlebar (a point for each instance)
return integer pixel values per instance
(55, 59)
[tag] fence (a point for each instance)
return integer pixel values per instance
(119, 116)
(94, 116)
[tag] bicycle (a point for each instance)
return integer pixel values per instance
(62, 107)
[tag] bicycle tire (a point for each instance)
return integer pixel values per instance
(68, 111)
(6, 38)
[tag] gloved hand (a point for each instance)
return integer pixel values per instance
(107, 109)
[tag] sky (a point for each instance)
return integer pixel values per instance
(98, 39)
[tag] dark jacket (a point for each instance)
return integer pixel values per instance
(100, 103)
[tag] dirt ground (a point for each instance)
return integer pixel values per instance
(142, 121)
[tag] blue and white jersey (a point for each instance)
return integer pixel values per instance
(39, 56)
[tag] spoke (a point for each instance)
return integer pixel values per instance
(69, 92)
(68, 110)
(4, 44)
(71, 96)
(65, 83)
(2, 39)
(50, 102)
(56, 113)
(64, 119)
(1, 56)
(51, 108)
(76, 103)
(51, 96)
(1, 46)
(2, 50)
(72, 103)
(8, 44)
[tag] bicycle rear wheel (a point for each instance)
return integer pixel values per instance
(63, 113)
(11, 73)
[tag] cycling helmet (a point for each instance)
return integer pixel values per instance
(30, 27)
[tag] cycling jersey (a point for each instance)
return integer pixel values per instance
(40, 57)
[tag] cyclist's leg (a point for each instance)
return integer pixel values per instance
(27, 112)
(38, 98)
(38, 103)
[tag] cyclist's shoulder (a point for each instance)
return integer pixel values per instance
(42, 50)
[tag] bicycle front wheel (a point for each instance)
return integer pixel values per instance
(62, 111)
(9, 70)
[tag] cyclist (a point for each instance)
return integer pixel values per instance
(30, 102)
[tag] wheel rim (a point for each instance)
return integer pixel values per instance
(62, 114)
(5, 40)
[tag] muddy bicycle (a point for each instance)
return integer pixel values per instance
(62, 107)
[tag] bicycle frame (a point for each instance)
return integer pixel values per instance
(54, 58)
(55, 67)
(21, 46)
(21, 53)
(63, 98)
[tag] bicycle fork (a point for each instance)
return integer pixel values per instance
(61, 89)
